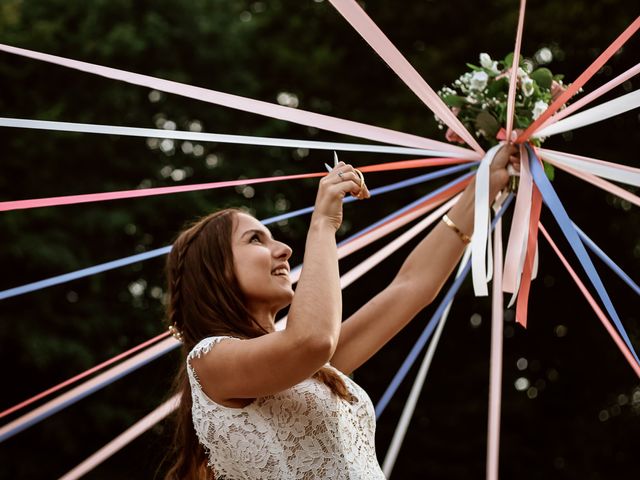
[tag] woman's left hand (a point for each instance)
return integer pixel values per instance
(509, 154)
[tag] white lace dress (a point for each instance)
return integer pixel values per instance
(305, 432)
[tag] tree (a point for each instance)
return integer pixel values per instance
(307, 51)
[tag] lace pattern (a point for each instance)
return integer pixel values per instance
(305, 432)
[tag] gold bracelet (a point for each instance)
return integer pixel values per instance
(449, 223)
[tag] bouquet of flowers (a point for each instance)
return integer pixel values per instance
(479, 96)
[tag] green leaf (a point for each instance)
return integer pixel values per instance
(542, 77)
(454, 100)
(549, 171)
(474, 67)
(508, 60)
(487, 123)
(501, 85)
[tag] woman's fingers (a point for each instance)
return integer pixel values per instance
(350, 180)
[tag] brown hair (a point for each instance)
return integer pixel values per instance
(200, 268)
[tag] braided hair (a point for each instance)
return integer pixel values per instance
(205, 299)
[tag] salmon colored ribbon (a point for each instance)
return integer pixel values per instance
(527, 272)
(147, 192)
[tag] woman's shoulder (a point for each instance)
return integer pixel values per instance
(205, 345)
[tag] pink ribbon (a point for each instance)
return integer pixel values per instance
(82, 375)
(511, 97)
(258, 107)
(594, 305)
(126, 437)
(517, 246)
(495, 375)
(376, 38)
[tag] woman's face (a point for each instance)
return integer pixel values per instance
(261, 265)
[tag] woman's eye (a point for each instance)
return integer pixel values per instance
(255, 238)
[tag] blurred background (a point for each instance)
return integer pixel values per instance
(570, 401)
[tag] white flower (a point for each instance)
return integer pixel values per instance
(527, 86)
(485, 60)
(478, 81)
(538, 108)
(491, 65)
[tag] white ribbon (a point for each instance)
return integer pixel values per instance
(218, 138)
(412, 399)
(481, 271)
(623, 174)
(596, 114)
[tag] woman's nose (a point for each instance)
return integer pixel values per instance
(282, 250)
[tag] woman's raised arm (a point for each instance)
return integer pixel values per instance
(418, 281)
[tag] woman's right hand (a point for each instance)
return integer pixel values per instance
(341, 180)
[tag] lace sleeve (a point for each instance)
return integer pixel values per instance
(202, 348)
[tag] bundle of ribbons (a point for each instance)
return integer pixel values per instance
(484, 258)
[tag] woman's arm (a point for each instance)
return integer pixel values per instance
(235, 370)
(418, 281)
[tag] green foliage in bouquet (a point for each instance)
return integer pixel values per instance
(479, 96)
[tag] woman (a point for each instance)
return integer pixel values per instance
(260, 403)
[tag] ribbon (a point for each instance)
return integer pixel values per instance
(81, 391)
(376, 38)
(623, 77)
(82, 375)
(605, 258)
(301, 117)
(612, 171)
(628, 354)
(596, 114)
(529, 262)
(598, 182)
(511, 96)
(418, 383)
(495, 374)
(581, 80)
(126, 437)
(428, 330)
(217, 137)
(553, 202)
(148, 192)
(103, 267)
(517, 244)
(481, 271)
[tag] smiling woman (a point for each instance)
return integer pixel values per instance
(262, 403)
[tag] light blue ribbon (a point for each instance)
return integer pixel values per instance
(555, 206)
(428, 330)
(103, 267)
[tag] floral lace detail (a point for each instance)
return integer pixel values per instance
(304, 432)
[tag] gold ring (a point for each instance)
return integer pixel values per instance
(361, 193)
(361, 177)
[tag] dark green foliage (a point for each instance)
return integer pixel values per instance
(260, 49)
